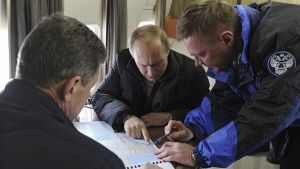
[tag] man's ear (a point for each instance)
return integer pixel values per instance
(70, 87)
(227, 38)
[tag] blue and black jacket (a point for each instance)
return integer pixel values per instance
(259, 97)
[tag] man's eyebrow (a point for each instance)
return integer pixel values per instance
(155, 64)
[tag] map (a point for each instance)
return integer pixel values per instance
(133, 152)
(95, 130)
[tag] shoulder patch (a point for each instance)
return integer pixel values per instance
(280, 62)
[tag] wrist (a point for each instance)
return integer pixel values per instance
(195, 156)
(198, 158)
(189, 134)
(125, 117)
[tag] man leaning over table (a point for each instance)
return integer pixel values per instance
(148, 85)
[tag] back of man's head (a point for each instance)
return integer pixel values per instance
(204, 17)
(58, 48)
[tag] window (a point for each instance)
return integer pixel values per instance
(95, 28)
(4, 62)
(4, 56)
(146, 17)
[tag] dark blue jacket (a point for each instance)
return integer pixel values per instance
(35, 133)
(257, 97)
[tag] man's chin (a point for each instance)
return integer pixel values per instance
(151, 79)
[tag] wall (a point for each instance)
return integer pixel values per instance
(137, 11)
(88, 11)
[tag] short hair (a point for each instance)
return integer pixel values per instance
(151, 32)
(204, 17)
(58, 48)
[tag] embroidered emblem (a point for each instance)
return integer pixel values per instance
(280, 62)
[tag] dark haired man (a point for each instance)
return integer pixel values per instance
(254, 56)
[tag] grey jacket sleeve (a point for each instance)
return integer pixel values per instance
(107, 100)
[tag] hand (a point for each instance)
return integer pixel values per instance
(180, 132)
(177, 152)
(150, 166)
(135, 127)
(156, 118)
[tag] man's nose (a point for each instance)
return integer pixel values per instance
(149, 72)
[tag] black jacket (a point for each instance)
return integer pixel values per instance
(178, 91)
(35, 133)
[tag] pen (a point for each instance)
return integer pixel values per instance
(161, 138)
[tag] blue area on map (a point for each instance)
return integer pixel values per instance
(142, 158)
(100, 133)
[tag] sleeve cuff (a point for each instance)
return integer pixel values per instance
(120, 120)
(200, 160)
(196, 138)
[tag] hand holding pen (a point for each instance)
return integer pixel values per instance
(176, 151)
(161, 138)
(177, 131)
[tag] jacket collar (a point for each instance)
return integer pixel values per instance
(241, 72)
(250, 19)
(34, 101)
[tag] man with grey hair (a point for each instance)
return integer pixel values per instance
(57, 66)
(148, 85)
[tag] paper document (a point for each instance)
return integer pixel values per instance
(133, 152)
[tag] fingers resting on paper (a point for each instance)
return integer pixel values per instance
(177, 152)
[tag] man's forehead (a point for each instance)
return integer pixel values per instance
(148, 43)
(149, 59)
(147, 49)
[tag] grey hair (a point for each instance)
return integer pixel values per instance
(58, 48)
